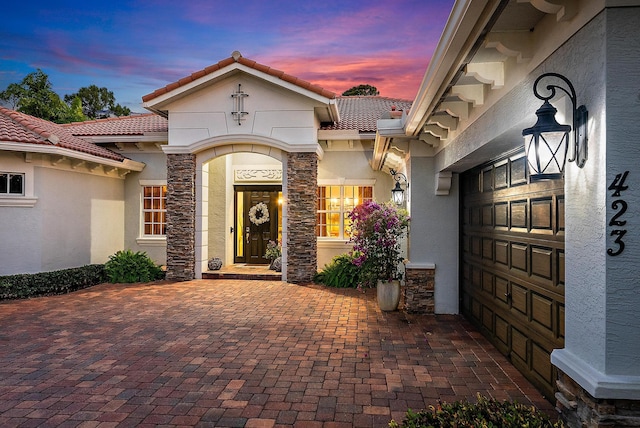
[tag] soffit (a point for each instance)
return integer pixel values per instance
(490, 47)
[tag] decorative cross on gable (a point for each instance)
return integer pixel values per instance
(238, 98)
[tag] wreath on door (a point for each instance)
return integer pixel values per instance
(259, 213)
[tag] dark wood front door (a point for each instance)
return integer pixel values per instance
(512, 279)
(253, 232)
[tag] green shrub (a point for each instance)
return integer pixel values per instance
(127, 266)
(485, 413)
(341, 272)
(48, 283)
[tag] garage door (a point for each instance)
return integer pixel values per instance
(512, 279)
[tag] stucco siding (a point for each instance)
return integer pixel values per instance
(218, 210)
(622, 154)
(154, 171)
(433, 232)
(271, 112)
(81, 218)
(20, 227)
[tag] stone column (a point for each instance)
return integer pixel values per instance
(417, 293)
(181, 216)
(302, 247)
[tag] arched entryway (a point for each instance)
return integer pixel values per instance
(188, 208)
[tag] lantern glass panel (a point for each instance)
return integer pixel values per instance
(546, 154)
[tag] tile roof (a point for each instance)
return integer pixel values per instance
(22, 128)
(138, 124)
(363, 112)
(237, 57)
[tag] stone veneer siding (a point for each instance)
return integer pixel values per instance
(417, 293)
(181, 217)
(302, 245)
(579, 409)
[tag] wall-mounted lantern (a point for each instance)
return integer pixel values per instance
(547, 142)
(397, 193)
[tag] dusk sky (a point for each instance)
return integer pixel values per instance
(135, 47)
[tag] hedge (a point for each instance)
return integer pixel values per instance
(63, 281)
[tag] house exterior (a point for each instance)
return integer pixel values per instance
(241, 163)
(544, 268)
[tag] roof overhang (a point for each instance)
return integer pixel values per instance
(148, 137)
(125, 164)
(486, 49)
(467, 22)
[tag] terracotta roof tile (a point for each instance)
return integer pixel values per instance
(138, 124)
(248, 63)
(363, 112)
(22, 128)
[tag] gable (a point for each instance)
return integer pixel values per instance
(242, 98)
(210, 76)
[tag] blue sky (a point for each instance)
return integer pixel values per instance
(135, 47)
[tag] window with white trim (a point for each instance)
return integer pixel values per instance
(154, 210)
(11, 184)
(334, 205)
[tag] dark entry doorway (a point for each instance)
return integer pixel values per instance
(257, 218)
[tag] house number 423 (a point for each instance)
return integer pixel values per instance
(620, 205)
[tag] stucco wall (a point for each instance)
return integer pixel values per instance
(155, 170)
(82, 217)
(273, 112)
(78, 219)
(622, 154)
(434, 231)
(20, 228)
(218, 210)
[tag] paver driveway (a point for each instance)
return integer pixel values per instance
(235, 353)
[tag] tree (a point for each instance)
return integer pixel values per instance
(35, 97)
(74, 112)
(12, 95)
(95, 101)
(361, 90)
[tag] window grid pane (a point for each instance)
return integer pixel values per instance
(154, 210)
(334, 205)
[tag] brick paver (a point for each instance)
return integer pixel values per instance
(238, 354)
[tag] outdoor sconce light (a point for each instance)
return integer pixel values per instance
(547, 142)
(397, 193)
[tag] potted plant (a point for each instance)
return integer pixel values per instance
(376, 233)
(273, 253)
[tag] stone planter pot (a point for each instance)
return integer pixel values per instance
(388, 295)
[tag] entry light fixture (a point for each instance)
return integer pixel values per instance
(397, 193)
(547, 143)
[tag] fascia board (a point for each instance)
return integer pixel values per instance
(339, 134)
(465, 24)
(161, 137)
(61, 151)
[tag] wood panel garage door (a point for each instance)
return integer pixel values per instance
(512, 279)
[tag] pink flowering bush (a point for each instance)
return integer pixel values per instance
(376, 231)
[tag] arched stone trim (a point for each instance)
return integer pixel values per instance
(301, 244)
(181, 204)
(243, 143)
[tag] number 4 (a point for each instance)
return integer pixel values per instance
(618, 184)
